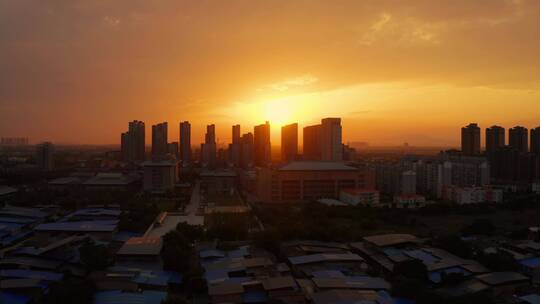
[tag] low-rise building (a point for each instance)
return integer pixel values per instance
(303, 181)
(111, 181)
(364, 197)
(160, 176)
(473, 195)
(409, 201)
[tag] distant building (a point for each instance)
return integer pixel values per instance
(510, 165)
(236, 134)
(185, 142)
(331, 139)
(111, 181)
(473, 195)
(303, 181)
(470, 140)
(364, 197)
(14, 141)
(495, 138)
(289, 142)
(160, 176)
(349, 153)
(246, 151)
(312, 143)
(519, 139)
(45, 156)
(261, 145)
(133, 142)
(408, 182)
(173, 149)
(209, 148)
(408, 201)
(535, 140)
(159, 140)
(235, 148)
(218, 182)
(432, 174)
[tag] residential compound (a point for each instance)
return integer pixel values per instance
(432, 175)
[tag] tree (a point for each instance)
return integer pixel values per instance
(94, 257)
(70, 291)
(455, 245)
(176, 252)
(412, 269)
(499, 261)
(480, 227)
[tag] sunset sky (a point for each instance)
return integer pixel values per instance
(394, 71)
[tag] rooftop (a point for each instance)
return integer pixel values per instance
(160, 163)
(5, 190)
(359, 191)
(218, 173)
(82, 226)
(364, 282)
(118, 296)
(110, 179)
(225, 288)
(65, 181)
(500, 278)
(141, 246)
(31, 274)
(96, 212)
(316, 166)
(384, 240)
(325, 257)
(279, 283)
(24, 212)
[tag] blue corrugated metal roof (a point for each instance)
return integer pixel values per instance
(436, 276)
(31, 274)
(254, 296)
(531, 299)
(532, 262)
(158, 278)
(14, 298)
(11, 239)
(328, 274)
(87, 226)
(323, 257)
(18, 220)
(10, 226)
(119, 297)
(211, 253)
(214, 276)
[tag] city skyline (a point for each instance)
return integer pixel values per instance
(394, 72)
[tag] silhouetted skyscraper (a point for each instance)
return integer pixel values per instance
(261, 136)
(470, 139)
(159, 140)
(535, 140)
(236, 134)
(209, 148)
(495, 138)
(332, 146)
(312, 143)
(172, 149)
(235, 148)
(45, 156)
(289, 142)
(185, 142)
(133, 142)
(246, 151)
(519, 139)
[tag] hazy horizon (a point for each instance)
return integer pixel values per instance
(76, 72)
